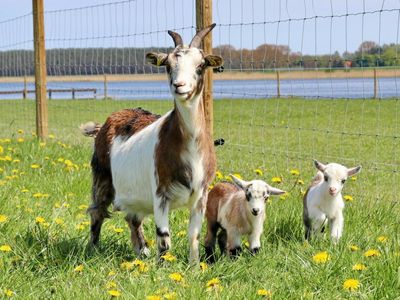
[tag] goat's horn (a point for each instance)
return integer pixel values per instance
(196, 41)
(176, 37)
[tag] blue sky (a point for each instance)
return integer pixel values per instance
(242, 23)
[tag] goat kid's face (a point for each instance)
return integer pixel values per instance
(335, 176)
(186, 65)
(257, 193)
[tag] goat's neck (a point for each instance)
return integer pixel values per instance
(191, 115)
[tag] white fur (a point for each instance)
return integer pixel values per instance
(324, 201)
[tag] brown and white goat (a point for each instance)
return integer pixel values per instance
(144, 163)
(235, 210)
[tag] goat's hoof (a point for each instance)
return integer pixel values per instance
(255, 250)
(145, 252)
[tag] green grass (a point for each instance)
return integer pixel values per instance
(275, 135)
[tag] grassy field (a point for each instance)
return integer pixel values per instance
(45, 190)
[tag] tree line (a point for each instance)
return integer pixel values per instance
(93, 61)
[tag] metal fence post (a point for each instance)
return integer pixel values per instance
(203, 19)
(40, 69)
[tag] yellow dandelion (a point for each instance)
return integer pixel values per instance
(24, 191)
(142, 267)
(153, 297)
(372, 253)
(59, 221)
(354, 248)
(237, 175)
(382, 239)
(52, 136)
(118, 230)
(210, 187)
(321, 257)
(359, 267)
(354, 178)
(300, 182)
(1, 149)
(176, 277)
(16, 161)
(276, 179)
(3, 218)
(150, 243)
(2, 182)
(79, 227)
(79, 269)
(20, 131)
(40, 220)
(35, 166)
(126, 265)
(258, 172)
(83, 206)
(5, 248)
(8, 293)
(181, 233)
(42, 144)
(1, 170)
(264, 293)
(111, 273)
(168, 257)
(295, 172)
(219, 175)
(351, 284)
(20, 140)
(212, 283)
(203, 266)
(348, 198)
(114, 293)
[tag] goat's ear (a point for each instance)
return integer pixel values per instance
(213, 61)
(157, 59)
(239, 182)
(319, 166)
(353, 171)
(274, 191)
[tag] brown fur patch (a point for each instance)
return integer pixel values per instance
(217, 197)
(122, 123)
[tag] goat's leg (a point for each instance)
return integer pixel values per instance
(222, 241)
(211, 238)
(336, 227)
(161, 210)
(234, 243)
(196, 220)
(137, 235)
(102, 196)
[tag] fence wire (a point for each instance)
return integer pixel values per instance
(298, 80)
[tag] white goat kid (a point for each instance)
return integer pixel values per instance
(235, 210)
(144, 163)
(323, 200)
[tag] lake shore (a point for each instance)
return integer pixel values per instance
(284, 75)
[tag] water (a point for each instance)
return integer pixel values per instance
(308, 88)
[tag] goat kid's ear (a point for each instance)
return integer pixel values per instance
(157, 59)
(240, 183)
(274, 191)
(353, 171)
(319, 166)
(213, 61)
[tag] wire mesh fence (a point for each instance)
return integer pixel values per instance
(298, 83)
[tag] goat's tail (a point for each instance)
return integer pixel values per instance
(90, 129)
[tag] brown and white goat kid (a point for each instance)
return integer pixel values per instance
(323, 200)
(235, 210)
(146, 164)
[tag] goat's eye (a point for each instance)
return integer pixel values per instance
(343, 181)
(326, 178)
(248, 196)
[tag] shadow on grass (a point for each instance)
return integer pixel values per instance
(286, 230)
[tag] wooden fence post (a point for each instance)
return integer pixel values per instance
(203, 19)
(40, 69)
(105, 87)
(25, 91)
